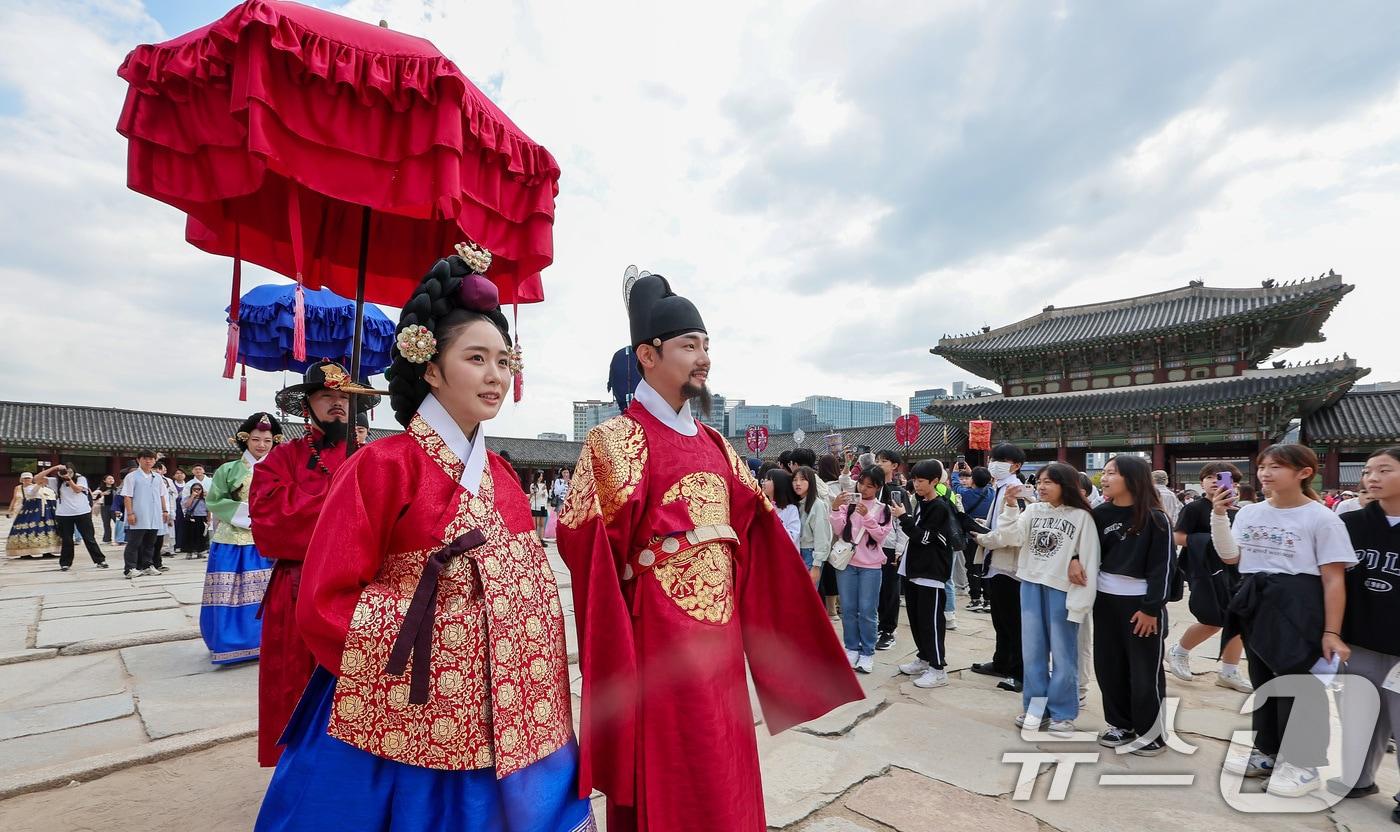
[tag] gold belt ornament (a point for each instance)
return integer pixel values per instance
(665, 548)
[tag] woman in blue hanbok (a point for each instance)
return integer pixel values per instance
(34, 529)
(237, 573)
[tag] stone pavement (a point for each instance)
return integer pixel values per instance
(107, 688)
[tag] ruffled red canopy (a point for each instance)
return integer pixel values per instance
(281, 115)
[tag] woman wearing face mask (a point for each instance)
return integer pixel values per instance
(814, 543)
(864, 522)
(1369, 628)
(442, 696)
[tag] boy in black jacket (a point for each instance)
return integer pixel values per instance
(926, 567)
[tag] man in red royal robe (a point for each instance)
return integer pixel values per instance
(682, 569)
(284, 502)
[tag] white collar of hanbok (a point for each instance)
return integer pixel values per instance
(471, 451)
(682, 422)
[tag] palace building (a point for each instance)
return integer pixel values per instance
(1175, 374)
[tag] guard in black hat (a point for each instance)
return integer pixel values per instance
(323, 399)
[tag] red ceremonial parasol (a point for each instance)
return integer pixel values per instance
(344, 155)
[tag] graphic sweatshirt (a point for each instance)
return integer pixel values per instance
(1049, 537)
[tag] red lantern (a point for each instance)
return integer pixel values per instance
(906, 429)
(757, 436)
(979, 435)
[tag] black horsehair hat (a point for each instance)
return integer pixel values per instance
(324, 375)
(654, 312)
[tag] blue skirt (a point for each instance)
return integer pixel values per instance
(323, 783)
(34, 530)
(234, 585)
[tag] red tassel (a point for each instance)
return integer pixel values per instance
(231, 349)
(519, 386)
(299, 326)
(519, 382)
(243, 385)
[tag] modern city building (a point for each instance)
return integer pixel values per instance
(557, 437)
(776, 417)
(923, 398)
(719, 415)
(590, 414)
(842, 413)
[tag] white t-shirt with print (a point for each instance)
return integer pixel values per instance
(1290, 541)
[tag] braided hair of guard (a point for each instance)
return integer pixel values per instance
(436, 305)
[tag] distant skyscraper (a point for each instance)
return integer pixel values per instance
(776, 417)
(590, 414)
(842, 413)
(557, 437)
(922, 398)
(719, 416)
(958, 388)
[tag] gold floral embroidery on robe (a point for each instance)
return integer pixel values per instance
(608, 472)
(701, 581)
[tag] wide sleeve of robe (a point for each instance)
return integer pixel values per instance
(220, 498)
(596, 527)
(285, 500)
(346, 548)
(783, 619)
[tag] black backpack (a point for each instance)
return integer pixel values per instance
(955, 527)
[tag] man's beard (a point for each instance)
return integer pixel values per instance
(332, 432)
(699, 397)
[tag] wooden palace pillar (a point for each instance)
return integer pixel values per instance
(1332, 469)
(1159, 456)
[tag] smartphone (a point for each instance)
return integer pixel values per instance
(1226, 480)
(896, 497)
(962, 459)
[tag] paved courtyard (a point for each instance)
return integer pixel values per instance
(111, 717)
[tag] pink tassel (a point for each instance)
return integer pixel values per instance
(243, 385)
(299, 327)
(231, 349)
(519, 386)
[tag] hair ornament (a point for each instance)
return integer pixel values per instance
(416, 343)
(477, 258)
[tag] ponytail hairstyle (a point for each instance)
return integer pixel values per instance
(1296, 457)
(450, 297)
(1137, 479)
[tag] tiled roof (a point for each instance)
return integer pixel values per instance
(1371, 418)
(1148, 315)
(1311, 381)
(71, 427)
(935, 441)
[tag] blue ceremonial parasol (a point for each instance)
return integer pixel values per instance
(266, 324)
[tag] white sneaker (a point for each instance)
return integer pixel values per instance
(1234, 681)
(914, 668)
(1023, 719)
(950, 621)
(865, 664)
(151, 573)
(1289, 780)
(932, 678)
(851, 656)
(1061, 727)
(1252, 764)
(1179, 663)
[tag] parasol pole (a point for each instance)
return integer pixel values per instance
(350, 440)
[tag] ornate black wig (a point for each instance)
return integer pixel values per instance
(263, 421)
(442, 307)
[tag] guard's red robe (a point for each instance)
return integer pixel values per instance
(667, 732)
(284, 503)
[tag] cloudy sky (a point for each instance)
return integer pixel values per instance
(835, 184)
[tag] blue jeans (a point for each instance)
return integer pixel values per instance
(1048, 635)
(807, 557)
(950, 592)
(121, 529)
(859, 587)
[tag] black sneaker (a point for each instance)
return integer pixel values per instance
(63, 569)
(1114, 737)
(1337, 787)
(987, 669)
(1147, 749)
(1012, 685)
(163, 568)
(885, 641)
(102, 564)
(128, 574)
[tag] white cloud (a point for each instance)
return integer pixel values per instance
(659, 114)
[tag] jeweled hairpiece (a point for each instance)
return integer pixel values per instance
(416, 344)
(477, 258)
